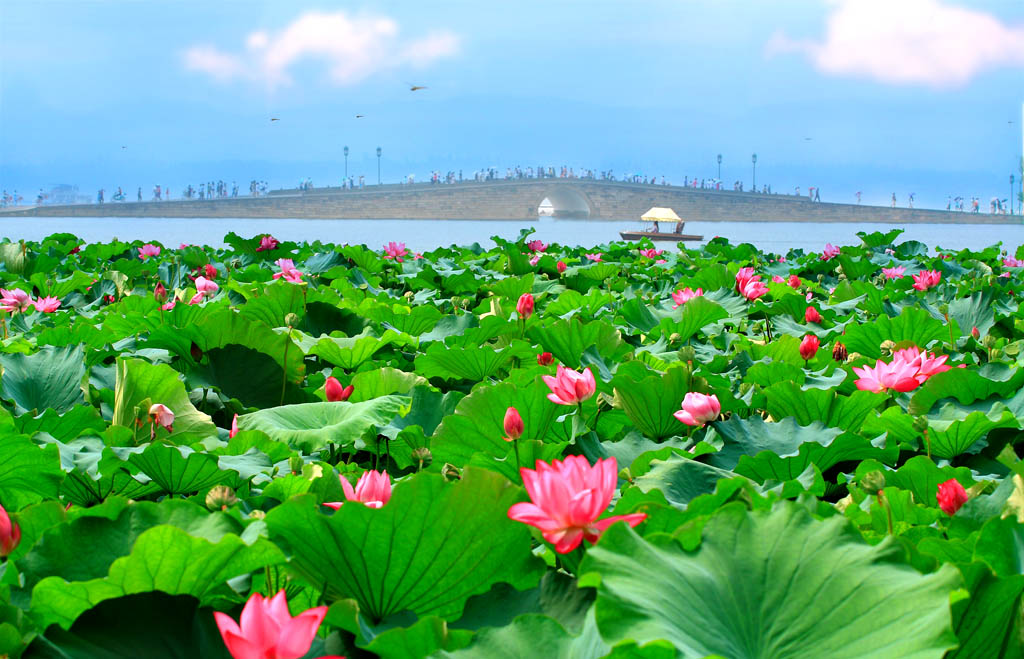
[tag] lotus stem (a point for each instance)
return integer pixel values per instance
(928, 443)
(284, 366)
(515, 449)
(950, 328)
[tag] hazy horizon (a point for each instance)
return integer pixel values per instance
(919, 96)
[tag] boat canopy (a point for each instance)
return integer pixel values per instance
(658, 214)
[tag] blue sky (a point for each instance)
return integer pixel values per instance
(897, 96)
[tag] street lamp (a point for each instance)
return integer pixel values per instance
(378, 165)
(346, 162)
(753, 159)
(719, 167)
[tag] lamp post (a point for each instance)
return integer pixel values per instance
(378, 165)
(719, 167)
(345, 151)
(1011, 194)
(753, 159)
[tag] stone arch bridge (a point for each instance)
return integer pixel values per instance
(512, 200)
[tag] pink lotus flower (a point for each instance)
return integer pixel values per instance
(545, 359)
(682, 297)
(267, 243)
(569, 387)
(809, 296)
(336, 393)
(10, 534)
(926, 279)
(211, 271)
(777, 279)
(596, 256)
(926, 363)
(161, 415)
(536, 246)
(898, 376)
(951, 496)
(169, 304)
(159, 292)
(148, 250)
(395, 251)
(782, 259)
(812, 315)
(234, 427)
(794, 281)
(288, 271)
(560, 266)
(419, 255)
(535, 259)
(809, 347)
(754, 289)
(513, 425)
(204, 289)
(15, 300)
(830, 252)
(894, 273)
(651, 253)
(1013, 262)
(743, 277)
(268, 631)
(567, 498)
(1005, 275)
(524, 307)
(698, 409)
(47, 304)
(372, 489)
(184, 246)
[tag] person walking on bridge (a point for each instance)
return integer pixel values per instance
(894, 200)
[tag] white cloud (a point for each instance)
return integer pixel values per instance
(351, 47)
(924, 42)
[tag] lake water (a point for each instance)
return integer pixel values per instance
(422, 235)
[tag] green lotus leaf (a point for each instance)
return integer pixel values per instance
(312, 426)
(179, 469)
(28, 473)
(777, 583)
(650, 402)
(467, 363)
(140, 384)
(49, 378)
(913, 324)
(349, 353)
(787, 399)
(529, 632)
(568, 339)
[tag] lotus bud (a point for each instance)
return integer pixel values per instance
(951, 496)
(524, 307)
(160, 293)
(513, 424)
(872, 482)
(560, 267)
(450, 472)
(220, 498)
(10, 534)
(291, 320)
(809, 346)
(839, 352)
(545, 359)
(423, 456)
(887, 347)
(975, 332)
(408, 294)
(295, 464)
(812, 315)
(258, 514)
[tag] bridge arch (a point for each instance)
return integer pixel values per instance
(564, 201)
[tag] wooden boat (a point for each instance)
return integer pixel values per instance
(658, 236)
(655, 216)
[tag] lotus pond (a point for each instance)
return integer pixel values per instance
(289, 450)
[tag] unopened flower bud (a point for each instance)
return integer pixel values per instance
(872, 482)
(291, 320)
(513, 424)
(160, 293)
(10, 534)
(220, 498)
(975, 332)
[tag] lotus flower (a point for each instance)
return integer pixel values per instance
(809, 347)
(211, 271)
(395, 251)
(524, 307)
(535, 259)
(894, 273)
(513, 425)
(569, 387)
(698, 409)
(951, 496)
(267, 243)
(743, 277)
(536, 246)
(777, 279)
(204, 289)
(794, 281)
(268, 631)
(754, 289)
(596, 256)
(899, 376)
(288, 271)
(682, 297)
(926, 363)
(975, 332)
(566, 499)
(830, 252)
(545, 359)
(169, 304)
(812, 315)
(234, 427)
(161, 415)
(334, 392)
(372, 489)
(1013, 262)
(47, 304)
(651, 253)
(159, 292)
(10, 534)
(148, 250)
(76, 249)
(560, 266)
(926, 279)
(15, 300)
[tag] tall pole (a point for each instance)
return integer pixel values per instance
(346, 163)
(753, 159)
(719, 167)
(1011, 194)
(378, 165)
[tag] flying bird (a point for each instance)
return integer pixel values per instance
(124, 147)
(808, 139)
(360, 116)
(413, 88)
(274, 119)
